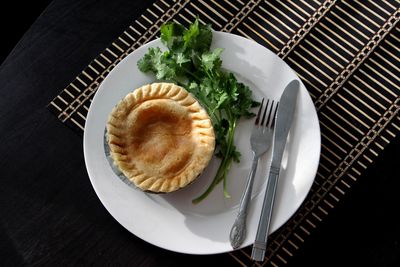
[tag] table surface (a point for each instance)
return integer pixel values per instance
(49, 213)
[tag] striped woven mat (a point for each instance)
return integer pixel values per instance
(346, 53)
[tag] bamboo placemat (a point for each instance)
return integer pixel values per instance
(346, 53)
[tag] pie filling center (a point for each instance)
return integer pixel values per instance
(161, 142)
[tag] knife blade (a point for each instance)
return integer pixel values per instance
(283, 121)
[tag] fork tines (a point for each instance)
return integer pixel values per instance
(268, 115)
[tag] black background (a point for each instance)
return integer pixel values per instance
(50, 215)
(15, 21)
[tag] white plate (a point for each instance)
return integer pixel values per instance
(171, 221)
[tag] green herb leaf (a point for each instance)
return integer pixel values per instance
(181, 58)
(198, 37)
(171, 35)
(211, 60)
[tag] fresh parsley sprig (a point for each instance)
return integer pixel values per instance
(190, 63)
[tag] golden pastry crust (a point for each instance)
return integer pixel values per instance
(160, 137)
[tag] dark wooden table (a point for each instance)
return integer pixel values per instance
(49, 213)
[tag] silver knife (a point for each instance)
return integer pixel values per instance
(283, 121)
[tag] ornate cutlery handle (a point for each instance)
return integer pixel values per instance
(238, 231)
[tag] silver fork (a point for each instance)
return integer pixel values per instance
(260, 141)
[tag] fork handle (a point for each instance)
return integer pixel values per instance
(238, 231)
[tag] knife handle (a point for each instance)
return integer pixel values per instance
(260, 244)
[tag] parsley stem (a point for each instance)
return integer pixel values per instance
(193, 75)
(222, 172)
(228, 155)
(227, 167)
